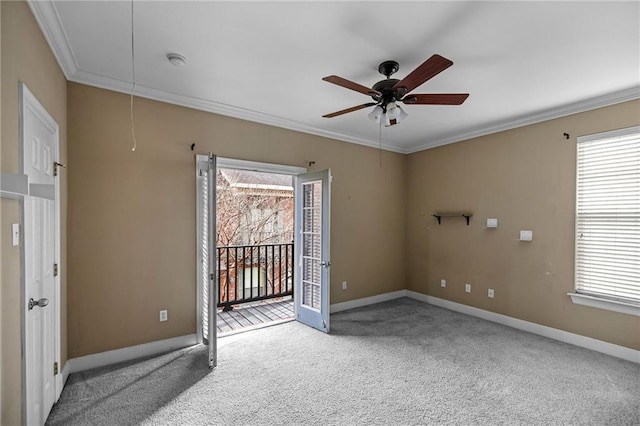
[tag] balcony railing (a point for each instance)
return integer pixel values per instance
(251, 273)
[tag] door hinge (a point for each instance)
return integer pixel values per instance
(55, 368)
(55, 269)
(55, 167)
(211, 277)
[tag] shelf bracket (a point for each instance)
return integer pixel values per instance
(439, 217)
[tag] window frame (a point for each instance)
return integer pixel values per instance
(585, 298)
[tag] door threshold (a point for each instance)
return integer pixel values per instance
(254, 327)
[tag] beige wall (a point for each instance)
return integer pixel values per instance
(132, 214)
(26, 57)
(526, 179)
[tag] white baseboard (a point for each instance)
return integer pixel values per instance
(365, 301)
(102, 359)
(65, 373)
(61, 380)
(126, 354)
(542, 330)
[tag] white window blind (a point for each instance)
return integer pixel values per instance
(608, 215)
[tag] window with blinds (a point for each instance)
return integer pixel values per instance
(608, 215)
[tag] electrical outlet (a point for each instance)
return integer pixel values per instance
(344, 285)
(467, 288)
(490, 293)
(164, 315)
(443, 283)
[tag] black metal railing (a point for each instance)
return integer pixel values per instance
(251, 273)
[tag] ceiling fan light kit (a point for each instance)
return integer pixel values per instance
(376, 113)
(387, 93)
(390, 115)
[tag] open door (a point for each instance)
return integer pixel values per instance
(312, 207)
(207, 253)
(40, 327)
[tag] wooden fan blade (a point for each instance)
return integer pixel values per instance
(343, 82)
(429, 69)
(436, 99)
(348, 110)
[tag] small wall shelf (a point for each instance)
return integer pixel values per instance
(439, 216)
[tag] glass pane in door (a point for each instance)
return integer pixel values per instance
(311, 244)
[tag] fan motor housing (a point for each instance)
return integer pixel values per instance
(386, 88)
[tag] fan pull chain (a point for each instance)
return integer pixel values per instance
(380, 140)
(133, 88)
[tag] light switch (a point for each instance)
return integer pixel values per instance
(15, 234)
(526, 235)
(492, 223)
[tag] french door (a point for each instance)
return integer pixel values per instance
(206, 254)
(312, 208)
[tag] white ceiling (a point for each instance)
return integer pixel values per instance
(521, 62)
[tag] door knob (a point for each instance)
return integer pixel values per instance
(42, 303)
(325, 264)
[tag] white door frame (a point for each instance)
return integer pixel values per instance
(57, 250)
(232, 163)
(255, 166)
(26, 99)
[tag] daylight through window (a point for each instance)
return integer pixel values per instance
(608, 215)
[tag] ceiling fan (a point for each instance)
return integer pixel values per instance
(387, 93)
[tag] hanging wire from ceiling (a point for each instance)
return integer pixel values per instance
(133, 88)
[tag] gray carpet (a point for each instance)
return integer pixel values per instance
(400, 362)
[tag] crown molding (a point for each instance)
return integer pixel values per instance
(103, 82)
(254, 116)
(49, 21)
(549, 114)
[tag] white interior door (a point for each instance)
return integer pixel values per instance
(207, 255)
(312, 209)
(39, 152)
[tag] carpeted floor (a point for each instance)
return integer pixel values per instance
(400, 362)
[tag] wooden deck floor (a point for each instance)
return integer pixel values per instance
(254, 315)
